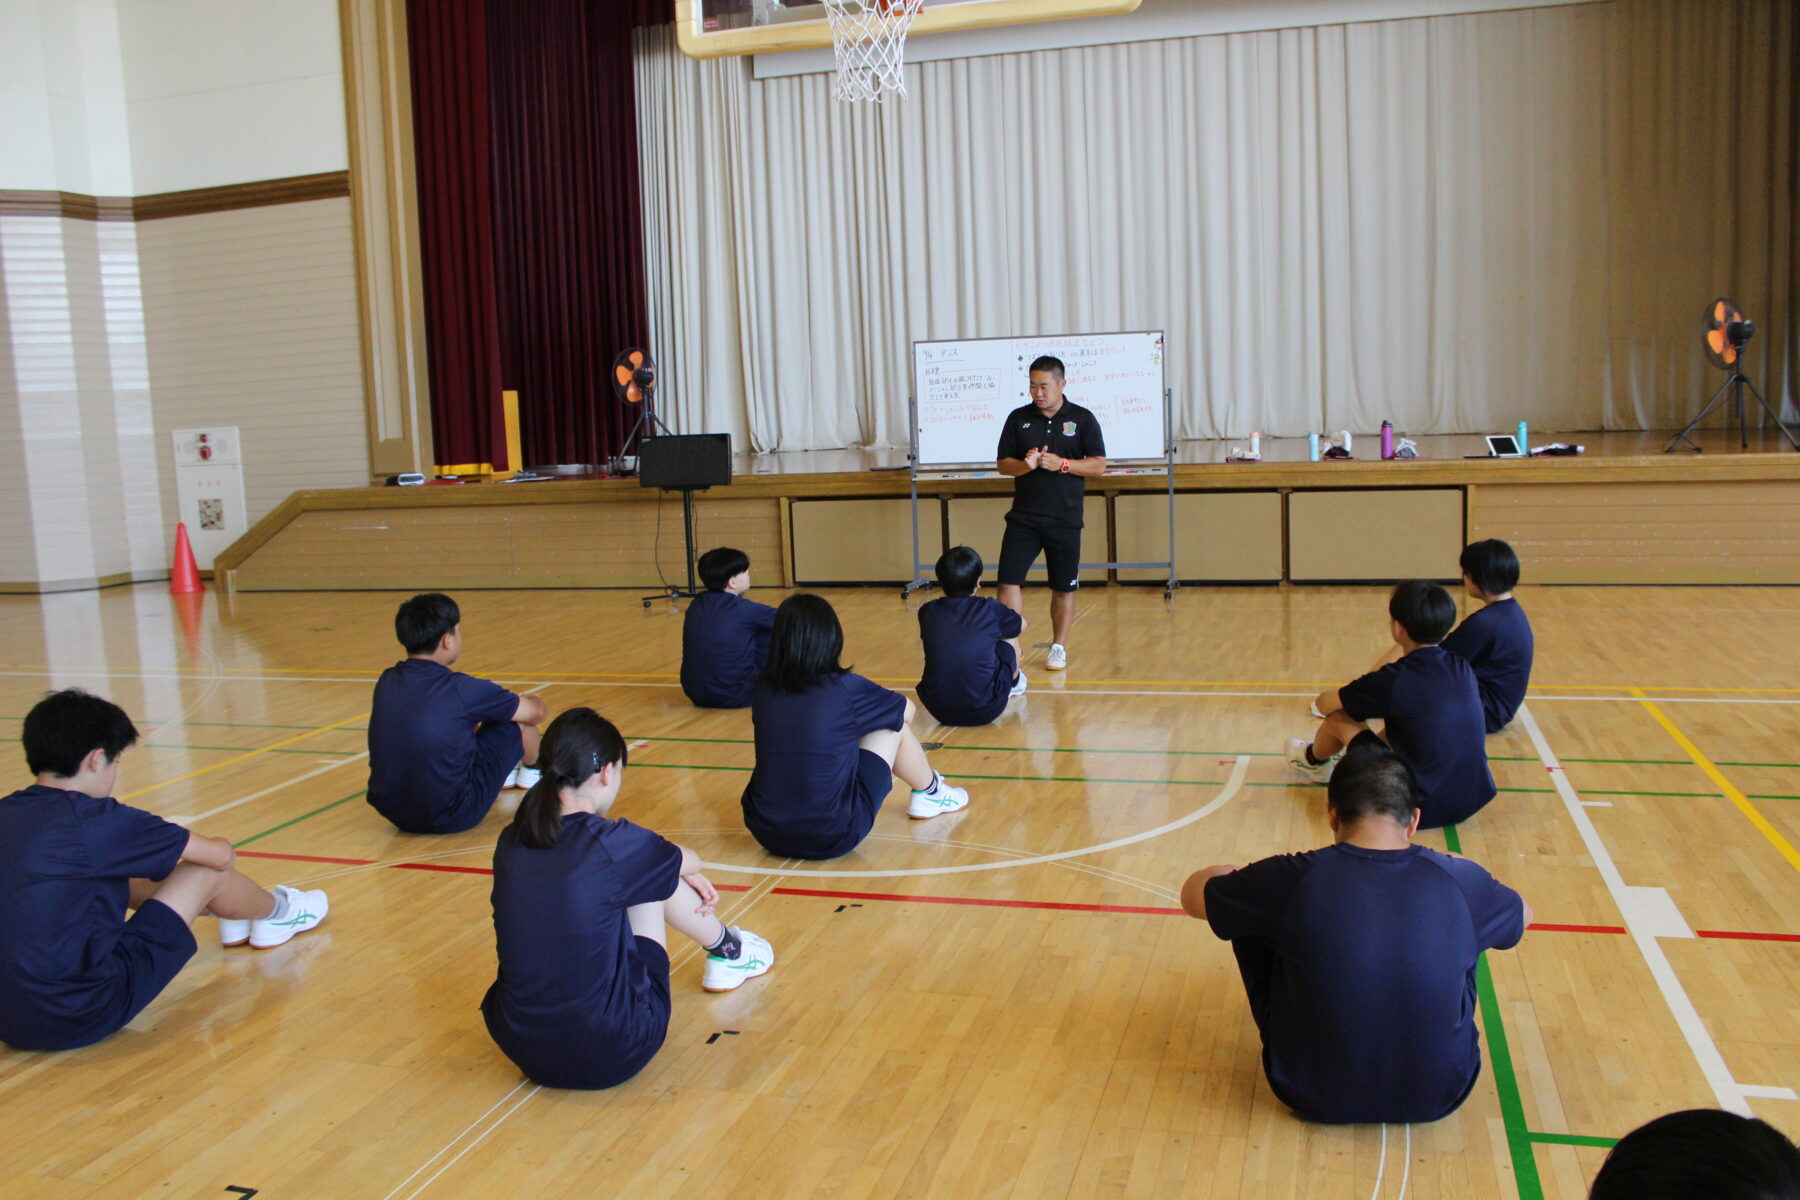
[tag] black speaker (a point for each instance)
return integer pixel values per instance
(687, 460)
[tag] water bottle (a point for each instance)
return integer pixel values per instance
(1387, 439)
(1255, 444)
(1524, 443)
(1312, 447)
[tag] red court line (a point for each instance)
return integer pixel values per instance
(980, 901)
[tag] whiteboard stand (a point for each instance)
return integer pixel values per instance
(923, 571)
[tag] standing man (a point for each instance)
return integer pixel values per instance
(1050, 447)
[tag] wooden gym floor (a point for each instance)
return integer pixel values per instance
(1002, 1003)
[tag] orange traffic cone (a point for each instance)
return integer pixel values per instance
(190, 607)
(184, 576)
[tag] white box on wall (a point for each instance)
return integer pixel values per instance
(209, 489)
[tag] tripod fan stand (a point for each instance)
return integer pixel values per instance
(634, 379)
(1727, 333)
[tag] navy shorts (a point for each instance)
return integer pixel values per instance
(152, 948)
(1006, 673)
(589, 1059)
(499, 746)
(874, 780)
(1026, 538)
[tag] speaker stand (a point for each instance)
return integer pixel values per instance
(687, 541)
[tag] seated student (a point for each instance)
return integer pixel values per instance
(581, 902)
(1496, 638)
(1430, 702)
(1700, 1154)
(829, 744)
(971, 646)
(724, 637)
(73, 969)
(442, 745)
(1359, 959)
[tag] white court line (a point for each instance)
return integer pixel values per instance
(1381, 1168)
(459, 1137)
(473, 1142)
(1406, 1174)
(1759, 1092)
(190, 818)
(1730, 1094)
(1232, 786)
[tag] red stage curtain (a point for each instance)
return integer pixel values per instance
(567, 220)
(450, 143)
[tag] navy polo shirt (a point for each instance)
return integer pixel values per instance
(573, 999)
(1360, 970)
(422, 751)
(65, 862)
(808, 795)
(1050, 496)
(1496, 641)
(724, 643)
(1434, 721)
(968, 672)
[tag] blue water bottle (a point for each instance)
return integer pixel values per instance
(1312, 447)
(1524, 443)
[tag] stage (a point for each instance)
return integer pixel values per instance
(1622, 512)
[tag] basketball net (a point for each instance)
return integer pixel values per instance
(870, 37)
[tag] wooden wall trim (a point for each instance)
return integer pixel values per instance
(261, 193)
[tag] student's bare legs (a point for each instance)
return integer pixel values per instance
(1062, 616)
(1335, 732)
(900, 749)
(1010, 595)
(1018, 654)
(193, 890)
(678, 911)
(530, 737)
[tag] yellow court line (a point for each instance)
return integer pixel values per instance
(1724, 785)
(298, 737)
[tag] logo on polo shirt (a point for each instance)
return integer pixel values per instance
(1068, 429)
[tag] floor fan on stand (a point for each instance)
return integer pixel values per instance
(634, 379)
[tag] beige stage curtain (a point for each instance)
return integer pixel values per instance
(1451, 222)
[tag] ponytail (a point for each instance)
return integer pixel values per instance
(576, 745)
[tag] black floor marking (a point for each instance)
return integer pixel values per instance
(244, 1192)
(931, 745)
(715, 1037)
(842, 907)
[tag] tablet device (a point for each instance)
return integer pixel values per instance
(1504, 445)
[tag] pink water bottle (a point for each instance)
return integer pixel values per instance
(1387, 439)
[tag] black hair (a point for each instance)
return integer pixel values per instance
(719, 567)
(1701, 1154)
(1046, 362)
(1491, 566)
(576, 745)
(1423, 609)
(804, 645)
(64, 727)
(1371, 780)
(958, 571)
(423, 621)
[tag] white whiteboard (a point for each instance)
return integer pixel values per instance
(965, 389)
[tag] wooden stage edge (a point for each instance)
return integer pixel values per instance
(1624, 512)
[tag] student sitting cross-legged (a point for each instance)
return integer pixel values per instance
(829, 744)
(1495, 639)
(1430, 703)
(724, 637)
(73, 969)
(581, 905)
(1359, 959)
(971, 646)
(443, 745)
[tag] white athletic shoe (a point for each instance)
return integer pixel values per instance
(755, 957)
(1057, 659)
(1018, 687)
(940, 800)
(524, 777)
(1317, 772)
(1313, 708)
(304, 911)
(233, 932)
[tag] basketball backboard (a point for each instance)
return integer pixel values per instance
(721, 28)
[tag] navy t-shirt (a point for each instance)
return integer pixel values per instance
(1496, 641)
(968, 674)
(724, 643)
(65, 862)
(1050, 496)
(805, 796)
(1434, 721)
(1360, 967)
(422, 738)
(573, 999)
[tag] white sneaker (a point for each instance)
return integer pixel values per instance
(524, 777)
(1057, 659)
(233, 932)
(1313, 708)
(940, 800)
(1018, 687)
(304, 911)
(755, 957)
(1317, 772)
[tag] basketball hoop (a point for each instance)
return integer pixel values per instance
(870, 38)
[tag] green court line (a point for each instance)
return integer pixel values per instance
(1572, 1139)
(1506, 1082)
(296, 820)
